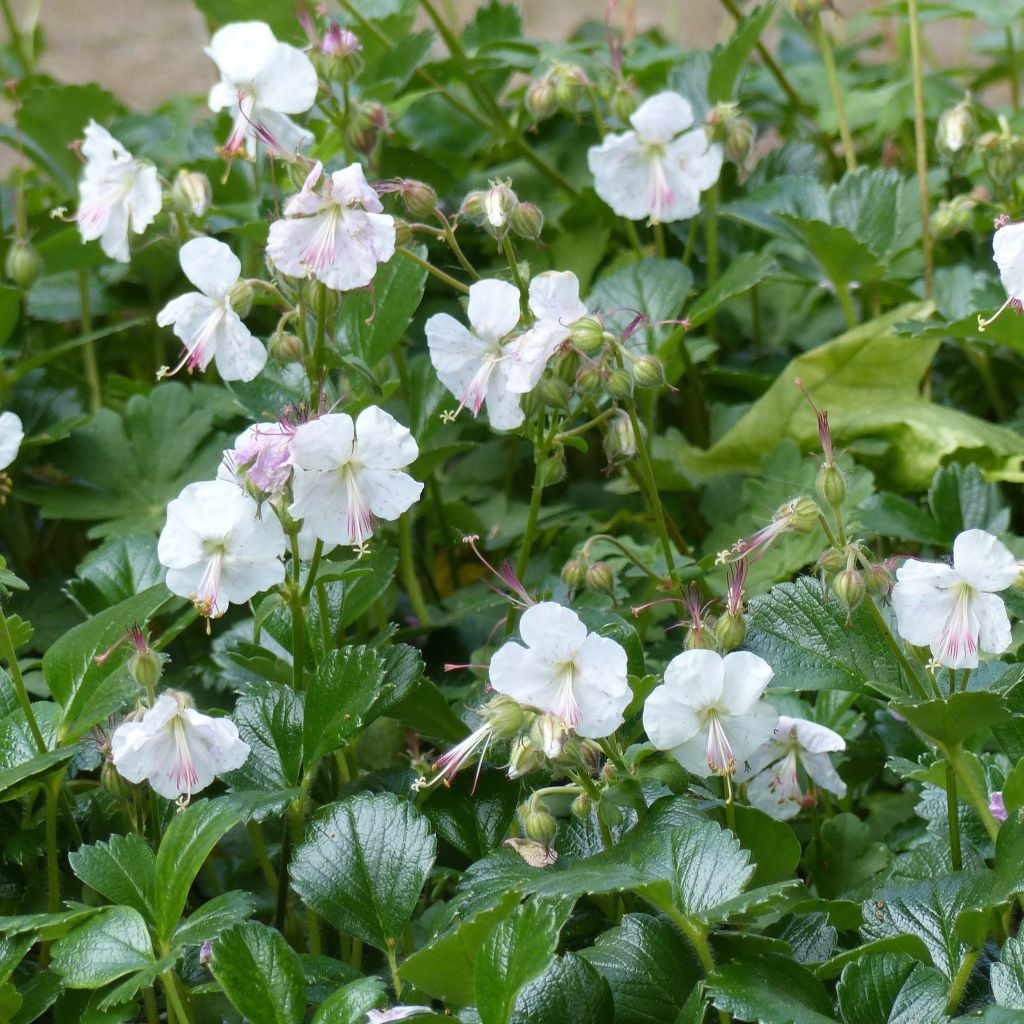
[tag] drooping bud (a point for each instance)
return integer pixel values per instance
(419, 198)
(850, 588)
(369, 120)
(549, 733)
(620, 441)
(588, 334)
(504, 715)
(622, 103)
(525, 757)
(589, 379)
(240, 297)
(537, 822)
(553, 392)
(574, 573)
(552, 470)
(570, 81)
(581, 807)
(540, 98)
(473, 206)
(954, 215)
(879, 580)
(23, 263)
(726, 125)
(619, 386)
(801, 513)
(286, 347)
(831, 561)
(730, 631)
(832, 485)
(601, 576)
(527, 221)
(1001, 153)
(192, 192)
(648, 372)
(957, 129)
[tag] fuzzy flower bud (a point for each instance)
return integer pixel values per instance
(620, 441)
(726, 125)
(540, 98)
(525, 758)
(504, 715)
(553, 470)
(23, 264)
(879, 580)
(832, 485)
(570, 81)
(537, 822)
(954, 215)
(527, 221)
(850, 588)
(600, 576)
(1001, 153)
(548, 734)
(622, 103)
(368, 122)
(553, 392)
(192, 192)
(146, 668)
(419, 198)
(589, 379)
(285, 347)
(619, 386)
(957, 129)
(588, 334)
(648, 372)
(240, 297)
(581, 807)
(730, 631)
(574, 573)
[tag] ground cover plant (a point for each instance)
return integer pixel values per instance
(516, 532)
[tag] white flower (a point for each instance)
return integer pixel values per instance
(395, 1013)
(117, 192)
(205, 320)
(472, 363)
(773, 769)
(217, 548)
(178, 749)
(708, 713)
(12, 433)
(261, 81)
(555, 302)
(346, 475)
(1008, 252)
(954, 609)
(576, 675)
(654, 171)
(338, 235)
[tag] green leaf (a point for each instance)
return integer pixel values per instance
(772, 844)
(844, 857)
(87, 691)
(473, 815)
(213, 917)
(1007, 976)
(518, 950)
(731, 58)
(770, 989)
(650, 968)
(657, 288)
(363, 865)
(222, 12)
(891, 989)
(109, 945)
(569, 990)
(119, 569)
(889, 515)
(16, 742)
(261, 974)
(949, 721)
(123, 869)
(806, 639)
(746, 271)
(710, 868)
(350, 1003)
(269, 718)
(188, 841)
(961, 499)
(352, 587)
(370, 325)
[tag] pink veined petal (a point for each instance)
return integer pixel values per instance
(956, 645)
(361, 242)
(277, 131)
(622, 173)
(210, 265)
(983, 561)
(552, 630)
(382, 442)
(766, 796)
(692, 754)
(662, 117)
(493, 309)
(291, 238)
(349, 187)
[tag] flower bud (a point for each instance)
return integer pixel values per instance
(623, 103)
(588, 334)
(548, 734)
(619, 386)
(240, 297)
(801, 514)
(570, 81)
(23, 264)
(730, 631)
(648, 372)
(620, 441)
(206, 954)
(473, 206)
(419, 198)
(285, 347)
(110, 780)
(957, 129)
(831, 561)
(524, 758)
(850, 588)
(574, 573)
(537, 822)
(725, 124)
(552, 470)
(805, 10)
(832, 485)
(589, 379)
(504, 715)
(879, 580)
(954, 215)
(338, 54)
(581, 807)
(600, 576)
(527, 221)
(368, 121)
(540, 98)
(191, 192)
(553, 392)
(146, 669)
(499, 202)
(701, 635)
(1001, 153)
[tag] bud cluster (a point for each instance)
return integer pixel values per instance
(561, 87)
(594, 575)
(498, 210)
(725, 124)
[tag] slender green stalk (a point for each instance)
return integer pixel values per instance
(691, 240)
(921, 145)
(52, 852)
(453, 244)
(407, 563)
(977, 798)
(259, 846)
(698, 936)
(956, 989)
(631, 555)
(8, 652)
(513, 266)
(149, 1001)
(1013, 65)
(595, 108)
(174, 998)
(953, 816)
(893, 644)
(711, 232)
(828, 59)
(17, 38)
(659, 240)
(396, 981)
(92, 373)
(436, 271)
(319, 346)
(298, 621)
(843, 295)
(730, 806)
(634, 239)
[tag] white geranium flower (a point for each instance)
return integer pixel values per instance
(659, 169)
(774, 769)
(179, 750)
(116, 192)
(338, 234)
(348, 474)
(564, 669)
(954, 609)
(205, 321)
(471, 362)
(708, 714)
(395, 1013)
(262, 455)
(218, 549)
(555, 302)
(261, 82)
(12, 433)
(1008, 252)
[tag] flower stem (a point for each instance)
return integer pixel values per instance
(659, 240)
(921, 143)
(396, 981)
(974, 796)
(436, 271)
(298, 621)
(8, 652)
(730, 807)
(52, 853)
(1014, 69)
(450, 239)
(828, 59)
(513, 265)
(174, 998)
(698, 936)
(17, 38)
(711, 233)
(407, 562)
(843, 295)
(956, 989)
(908, 669)
(318, 346)
(631, 555)
(152, 1011)
(953, 816)
(92, 373)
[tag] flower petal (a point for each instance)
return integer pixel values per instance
(1008, 252)
(697, 678)
(552, 630)
(555, 296)
(210, 265)
(503, 408)
(602, 690)
(529, 353)
(662, 117)
(287, 81)
(453, 347)
(361, 242)
(389, 493)
(241, 50)
(820, 768)
(622, 174)
(748, 731)
(349, 187)
(669, 720)
(324, 443)
(698, 161)
(746, 678)
(493, 309)
(993, 623)
(238, 354)
(771, 800)
(983, 561)
(812, 737)
(521, 673)
(382, 442)
(12, 433)
(923, 600)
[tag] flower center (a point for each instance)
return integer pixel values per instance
(184, 770)
(205, 597)
(720, 756)
(567, 707)
(476, 391)
(959, 633)
(96, 213)
(659, 192)
(358, 517)
(322, 250)
(785, 781)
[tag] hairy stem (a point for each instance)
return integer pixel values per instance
(89, 365)
(921, 144)
(953, 816)
(828, 59)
